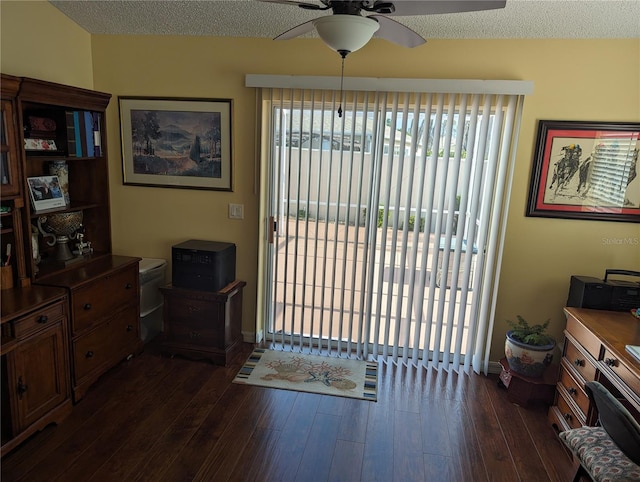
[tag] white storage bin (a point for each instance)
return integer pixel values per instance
(151, 324)
(152, 277)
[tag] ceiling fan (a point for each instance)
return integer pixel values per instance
(353, 23)
(348, 29)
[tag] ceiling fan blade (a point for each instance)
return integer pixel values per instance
(396, 32)
(308, 6)
(296, 31)
(434, 7)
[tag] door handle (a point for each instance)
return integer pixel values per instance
(21, 388)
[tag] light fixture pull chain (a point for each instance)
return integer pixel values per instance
(343, 54)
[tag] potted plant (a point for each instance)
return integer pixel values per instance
(528, 348)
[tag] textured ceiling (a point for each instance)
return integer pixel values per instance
(252, 18)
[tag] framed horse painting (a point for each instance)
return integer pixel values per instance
(586, 170)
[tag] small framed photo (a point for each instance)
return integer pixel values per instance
(176, 142)
(586, 170)
(46, 193)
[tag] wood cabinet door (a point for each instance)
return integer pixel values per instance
(8, 151)
(40, 381)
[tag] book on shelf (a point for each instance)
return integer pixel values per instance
(97, 140)
(88, 133)
(634, 350)
(76, 126)
(71, 134)
(83, 133)
(40, 145)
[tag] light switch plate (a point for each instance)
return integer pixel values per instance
(236, 211)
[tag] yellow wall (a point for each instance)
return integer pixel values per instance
(573, 80)
(39, 41)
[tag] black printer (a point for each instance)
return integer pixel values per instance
(203, 265)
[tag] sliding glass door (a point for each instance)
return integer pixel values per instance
(379, 219)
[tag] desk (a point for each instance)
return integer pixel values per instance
(594, 350)
(463, 249)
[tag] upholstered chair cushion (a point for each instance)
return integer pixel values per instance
(599, 455)
(616, 420)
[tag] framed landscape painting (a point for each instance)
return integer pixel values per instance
(586, 170)
(176, 142)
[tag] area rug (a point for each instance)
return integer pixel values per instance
(310, 373)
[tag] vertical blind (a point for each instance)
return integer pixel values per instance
(386, 221)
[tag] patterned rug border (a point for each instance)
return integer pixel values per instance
(369, 390)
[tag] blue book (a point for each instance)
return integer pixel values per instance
(76, 124)
(88, 125)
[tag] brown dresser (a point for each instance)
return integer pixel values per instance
(104, 300)
(594, 349)
(203, 324)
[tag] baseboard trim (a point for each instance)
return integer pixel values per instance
(495, 367)
(251, 337)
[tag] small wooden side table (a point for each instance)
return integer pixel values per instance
(203, 324)
(524, 390)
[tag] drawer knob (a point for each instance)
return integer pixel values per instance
(87, 306)
(573, 391)
(194, 334)
(568, 417)
(611, 362)
(42, 319)
(128, 286)
(578, 362)
(21, 388)
(129, 327)
(89, 354)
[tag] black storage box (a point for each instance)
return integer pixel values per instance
(605, 294)
(203, 265)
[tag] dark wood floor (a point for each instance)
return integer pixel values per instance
(169, 419)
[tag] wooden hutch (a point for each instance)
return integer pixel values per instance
(65, 322)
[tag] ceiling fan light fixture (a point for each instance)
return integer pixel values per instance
(345, 33)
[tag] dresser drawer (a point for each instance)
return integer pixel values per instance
(186, 307)
(625, 375)
(39, 320)
(587, 339)
(581, 363)
(574, 389)
(91, 303)
(572, 418)
(105, 345)
(203, 332)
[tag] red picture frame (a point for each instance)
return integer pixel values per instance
(586, 170)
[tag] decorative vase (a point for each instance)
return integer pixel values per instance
(527, 360)
(61, 228)
(61, 169)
